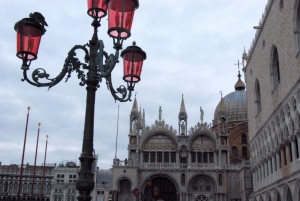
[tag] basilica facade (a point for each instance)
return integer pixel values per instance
(207, 162)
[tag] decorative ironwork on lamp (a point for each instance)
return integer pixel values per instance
(98, 65)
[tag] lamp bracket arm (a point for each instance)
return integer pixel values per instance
(110, 63)
(72, 63)
(125, 94)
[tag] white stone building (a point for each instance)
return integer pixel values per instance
(272, 75)
(64, 183)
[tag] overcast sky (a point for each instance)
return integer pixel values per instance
(192, 47)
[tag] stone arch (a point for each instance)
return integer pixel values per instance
(293, 104)
(267, 196)
(277, 196)
(277, 122)
(282, 116)
(286, 132)
(209, 141)
(165, 185)
(159, 138)
(124, 188)
(288, 110)
(289, 196)
(292, 127)
(202, 183)
(297, 190)
(260, 198)
(287, 193)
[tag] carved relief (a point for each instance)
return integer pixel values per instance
(159, 142)
(203, 143)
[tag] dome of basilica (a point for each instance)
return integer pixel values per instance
(233, 105)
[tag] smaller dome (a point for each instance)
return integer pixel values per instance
(239, 85)
(234, 105)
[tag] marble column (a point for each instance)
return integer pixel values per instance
(215, 158)
(282, 155)
(220, 158)
(274, 169)
(298, 140)
(266, 168)
(277, 160)
(294, 150)
(288, 153)
(270, 164)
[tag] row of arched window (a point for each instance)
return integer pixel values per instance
(235, 152)
(275, 79)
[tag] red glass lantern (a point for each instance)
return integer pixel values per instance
(133, 62)
(120, 17)
(97, 8)
(29, 33)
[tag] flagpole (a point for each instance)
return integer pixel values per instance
(44, 169)
(34, 166)
(117, 133)
(23, 153)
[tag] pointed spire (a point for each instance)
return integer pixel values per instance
(245, 56)
(159, 113)
(134, 107)
(144, 119)
(182, 111)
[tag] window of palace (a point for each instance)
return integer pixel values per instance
(244, 138)
(257, 96)
(275, 68)
(234, 151)
(245, 152)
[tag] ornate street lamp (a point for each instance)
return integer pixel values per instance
(98, 65)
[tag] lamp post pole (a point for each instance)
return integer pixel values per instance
(85, 182)
(98, 65)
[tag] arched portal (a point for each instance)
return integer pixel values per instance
(125, 190)
(160, 188)
(201, 187)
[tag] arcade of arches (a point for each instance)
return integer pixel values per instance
(160, 187)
